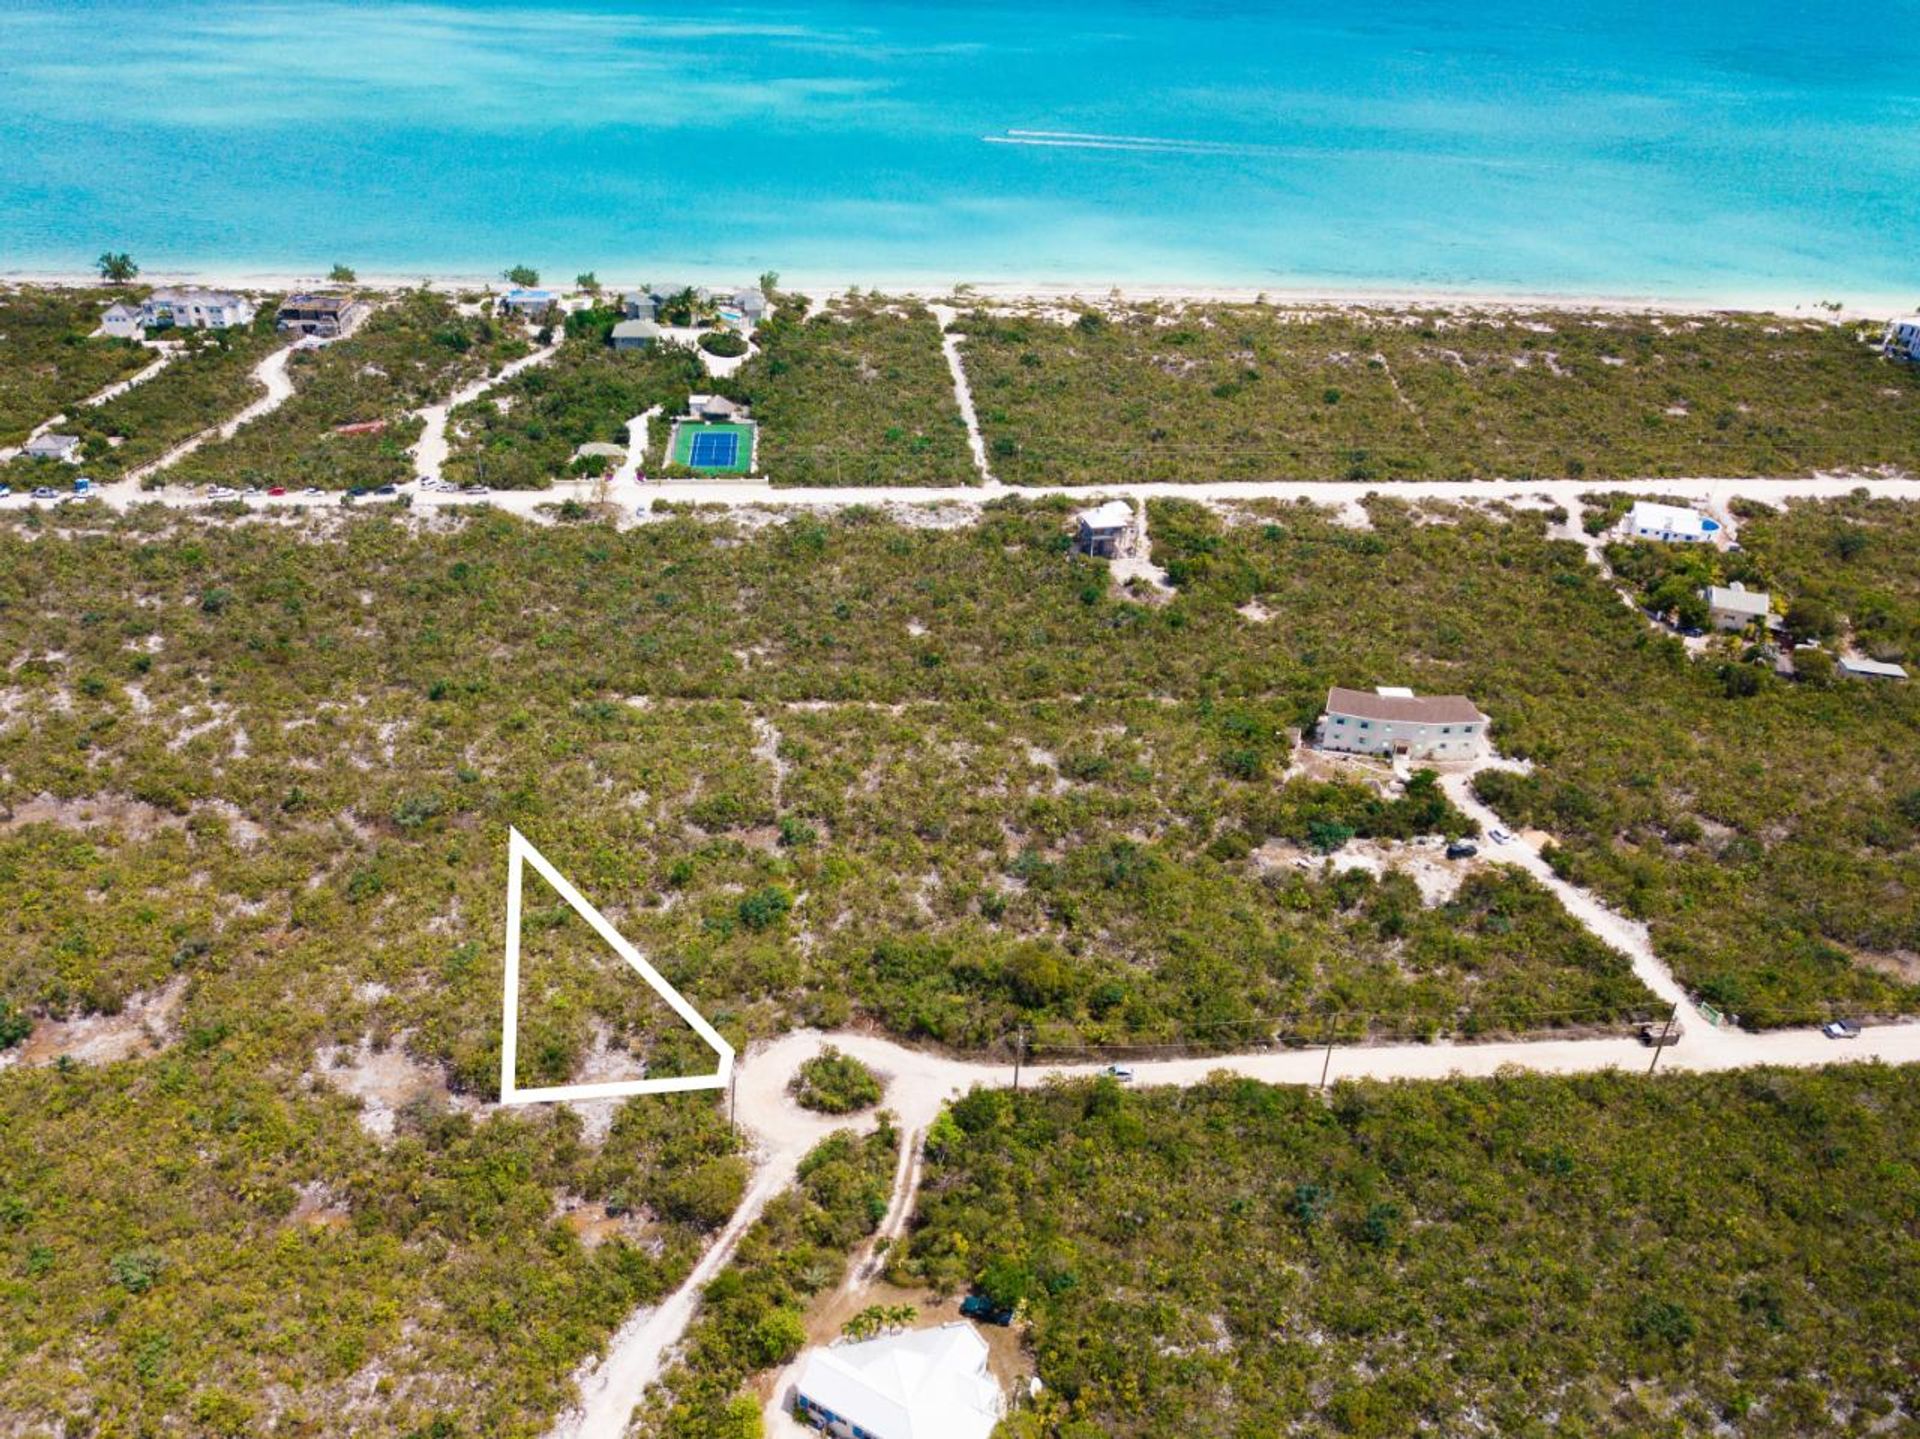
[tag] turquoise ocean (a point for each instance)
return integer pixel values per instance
(1720, 149)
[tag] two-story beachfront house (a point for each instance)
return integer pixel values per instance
(196, 310)
(925, 1384)
(1392, 721)
(1105, 531)
(321, 317)
(1669, 524)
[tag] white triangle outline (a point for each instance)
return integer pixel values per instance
(520, 853)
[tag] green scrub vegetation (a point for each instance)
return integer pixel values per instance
(414, 349)
(1604, 1255)
(859, 394)
(752, 1316)
(836, 1083)
(48, 363)
(1259, 392)
(522, 434)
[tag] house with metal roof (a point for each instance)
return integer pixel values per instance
(1735, 608)
(1105, 531)
(1861, 668)
(924, 1384)
(54, 447)
(1393, 722)
(634, 335)
(1669, 524)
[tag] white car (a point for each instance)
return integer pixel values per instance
(6, 492)
(1119, 1072)
(222, 492)
(1500, 836)
(314, 492)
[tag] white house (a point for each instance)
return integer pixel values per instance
(1860, 668)
(54, 447)
(1734, 607)
(1669, 524)
(1105, 531)
(1395, 721)
(744, 309)
(123, 322)
(196, 309)
(1903, 338)
(924, 1384)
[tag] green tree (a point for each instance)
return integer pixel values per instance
(587, 281)
(342, 275)
(525, 276)
(1811, 619)
(116, 267)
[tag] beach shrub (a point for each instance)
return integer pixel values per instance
(835, 1083)
(724, 343)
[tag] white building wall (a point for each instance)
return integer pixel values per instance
(1352, 734)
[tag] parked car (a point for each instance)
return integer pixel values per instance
(1840, 1029)
(1661, 1032)
(387, 490)
(1500, 836)
(45, 492)
(476, 490)
(314, 492)
(6, 492)
(984, 1310)
(1119, 1072)
(222, 492)
(1462, 849)
(275, 491)
(83, 485)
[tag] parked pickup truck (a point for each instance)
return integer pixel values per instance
(983, 1310)
(1661, 1032)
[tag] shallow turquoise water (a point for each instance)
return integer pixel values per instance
(1622, 147)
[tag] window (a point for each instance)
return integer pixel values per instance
(1339, 719)
(1366, 724)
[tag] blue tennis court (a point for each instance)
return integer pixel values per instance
(715, 450)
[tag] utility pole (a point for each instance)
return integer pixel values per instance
(1019, 1053)
(1665, 1032)
(1326, 1065)
(733, 1096)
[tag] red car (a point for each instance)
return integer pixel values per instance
(277, 490)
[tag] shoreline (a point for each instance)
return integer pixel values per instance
(1301, 295)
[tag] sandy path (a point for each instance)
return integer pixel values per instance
(636, 460)
(271, 373)
(430, 450)
(758, 494)
(166, 356)
(945, 315)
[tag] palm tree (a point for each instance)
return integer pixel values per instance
(116, 268)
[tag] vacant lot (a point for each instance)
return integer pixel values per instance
(349, 422)
(859, 394)
(47, 363)
(1254, 392)
(1522, 1256)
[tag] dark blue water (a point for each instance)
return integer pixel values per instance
(1717, 149)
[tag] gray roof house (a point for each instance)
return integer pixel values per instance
(54, 447)
(634, 335)
(640, 305)
(123, 322)
(1735, 607)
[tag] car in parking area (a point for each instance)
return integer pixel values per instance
(274, 491)
(6, 492)
(475, 490)
(45, 492)
(222, 492)
(1841, 1029)
(386, 490)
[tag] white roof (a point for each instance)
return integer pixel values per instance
(1738, 599)
(51, 444)
(925, 1384)
(1113, 515)
(636, 330)
(1878, 669)
(1649, 515)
